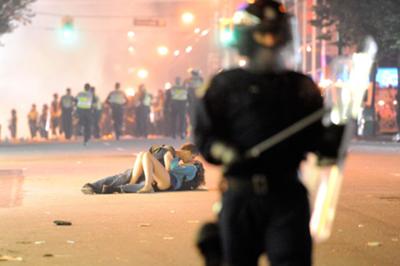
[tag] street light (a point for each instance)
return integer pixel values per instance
(131, 34)
(162, 50)
(187, 18)
(143, 73)
(130, 92)
(204, 32)
(167, 85)
(188, 49)
(177, 53)
(131, 49)
(242, 62)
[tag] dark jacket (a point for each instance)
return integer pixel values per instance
(242, 109)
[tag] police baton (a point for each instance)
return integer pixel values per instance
(263, 146)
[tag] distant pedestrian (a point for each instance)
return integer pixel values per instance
(179, 101)
(33, 117)
(167, 128)
(117, 100)
(143, 111)
(397, 136)
(84, 101)
(44, 122)
(13, 124)
(67, 108)
(192, 84)
(97, 108)
(55, 115)
(158, 111)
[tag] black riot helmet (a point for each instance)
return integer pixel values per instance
(262, 24)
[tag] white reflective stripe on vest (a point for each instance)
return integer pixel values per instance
(147, 100)
(117, 97)
(67, 101)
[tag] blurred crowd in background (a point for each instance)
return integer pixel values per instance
(139, 113)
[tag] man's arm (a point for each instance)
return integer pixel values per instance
(168, 157)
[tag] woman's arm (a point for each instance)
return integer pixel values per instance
(168, 157)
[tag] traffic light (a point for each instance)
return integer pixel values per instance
(226, 34)
(68, 33)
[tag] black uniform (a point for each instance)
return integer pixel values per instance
(265, 207)
(67, 107)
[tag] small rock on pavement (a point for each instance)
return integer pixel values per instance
(62, 223)
(374, 244)
(48, 255)
(71, 242)
(40, 242)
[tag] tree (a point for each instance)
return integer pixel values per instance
(355, 19)
(13, 13)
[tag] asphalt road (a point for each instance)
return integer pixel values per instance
(159, 228)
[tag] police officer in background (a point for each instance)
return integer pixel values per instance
(143, 111)
(194, 82)
(179, 101)
(84, 102)
(265, 207)
(67, 107)
(97, 108)
(117, 100)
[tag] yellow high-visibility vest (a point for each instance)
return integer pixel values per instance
(84, 100)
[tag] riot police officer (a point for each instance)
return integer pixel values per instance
(117, 100)
(179, 100)
(67, 107)
(264, 207)
(84, 101)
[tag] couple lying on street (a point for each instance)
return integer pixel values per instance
(162, 168)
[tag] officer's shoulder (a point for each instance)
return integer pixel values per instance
(229, 75)
(298, 76)
(220, 81)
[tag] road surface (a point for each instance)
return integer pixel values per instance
(159, 228)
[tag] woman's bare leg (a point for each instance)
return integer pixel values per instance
(154, 171)
(137, 168)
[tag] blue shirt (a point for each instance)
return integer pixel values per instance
(180, 173)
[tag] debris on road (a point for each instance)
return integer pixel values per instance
(144, 225)
(71, 242)
(10, 258)
(40, 242)
(62, 223)
(374, 244)
(395, 239)
(360, 226)
(48, 255)
(24, 242)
